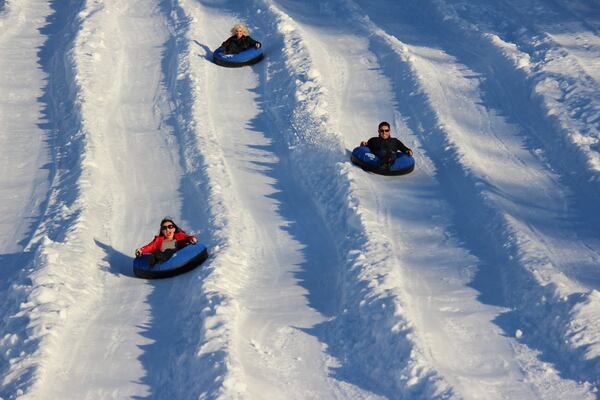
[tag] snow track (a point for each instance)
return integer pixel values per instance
(25, 189)
(86, 252)
(283, 242)
(476, 276)
(110, 94)
(557, 244)
(524, 217)
(527, 234)
(40, 295)
(444, 323)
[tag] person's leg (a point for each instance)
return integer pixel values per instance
(167, 254)
(153, 258)
(386, 160)
(160, 256)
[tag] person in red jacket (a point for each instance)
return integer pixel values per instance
(169, 239)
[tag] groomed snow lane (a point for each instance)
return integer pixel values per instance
(460, 280)
(287, 283)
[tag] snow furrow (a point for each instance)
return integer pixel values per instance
(397, 371)
(576, 295)
(214, 307)
(562, 76)
(265, 259)
(23, 134)
(475, 276)
(523, 248)
(52, 286)
(304, 138)
(114, 333)
(129, 70)
(25, 189)
(440, 324)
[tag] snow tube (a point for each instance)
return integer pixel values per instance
(247, 57)
(183, 260)
(368, 161)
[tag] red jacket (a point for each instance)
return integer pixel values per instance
(182, 240)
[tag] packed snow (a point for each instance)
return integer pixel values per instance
(476, 276)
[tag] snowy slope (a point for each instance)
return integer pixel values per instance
(476, 276)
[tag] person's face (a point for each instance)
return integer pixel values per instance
(384, 132)
(239, 32)
(168, 229)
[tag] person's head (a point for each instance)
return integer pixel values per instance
(239, 30)
(168, 228)
(384, 130)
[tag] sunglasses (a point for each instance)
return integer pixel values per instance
(384, 130)
(165, 227)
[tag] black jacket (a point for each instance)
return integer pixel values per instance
(233, 45)
(380, 147)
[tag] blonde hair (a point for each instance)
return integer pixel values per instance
(243, 27)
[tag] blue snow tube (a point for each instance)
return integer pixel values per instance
(183, 260)
(247, 57)
(368, 161)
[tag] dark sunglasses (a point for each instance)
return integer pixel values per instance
(384, 130)
(165, 227)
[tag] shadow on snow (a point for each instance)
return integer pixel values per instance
(496, 263)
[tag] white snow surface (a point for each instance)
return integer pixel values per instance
(476, 276)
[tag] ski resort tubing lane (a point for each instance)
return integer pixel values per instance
(361, 97)
(24, 70)
(274, 304)
(24, 133)
(107, 353)
(520, 206)
(456, 104)
(451, 320)
(291, 256)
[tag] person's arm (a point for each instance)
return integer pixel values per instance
(191, 239)
(373, 144)
(184, 239)
(225, 45)
(149, 248)
(254, 43)
(402, 147)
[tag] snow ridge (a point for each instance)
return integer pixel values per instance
(368, 296)
(50, 288)
(569, 102)
(227, 268)
(555, 310)
(503, 112)
(560, 84)
(200, 312)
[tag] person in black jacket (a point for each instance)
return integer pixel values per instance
(239, 41)
(385, 147)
